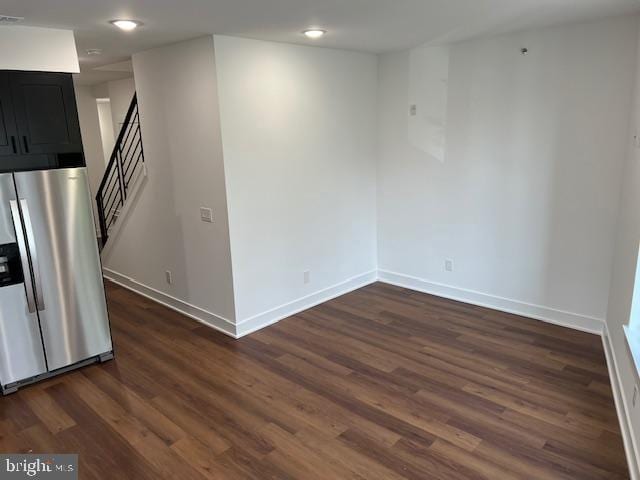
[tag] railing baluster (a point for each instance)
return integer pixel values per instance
(116, 201)
(133, 162)
(123, 193)
(106, 200)
(102, 221)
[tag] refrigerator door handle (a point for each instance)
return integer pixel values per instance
(24, 259)
(31, 241)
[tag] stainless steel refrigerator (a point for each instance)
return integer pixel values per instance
(53, 313)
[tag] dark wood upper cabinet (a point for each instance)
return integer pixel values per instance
(45, 112)
(39, 126)
(8, 132)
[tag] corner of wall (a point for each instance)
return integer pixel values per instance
(262, 320)
(198, 314)
(162, 229)
(538, 312)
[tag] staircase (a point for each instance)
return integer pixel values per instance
(123, 168)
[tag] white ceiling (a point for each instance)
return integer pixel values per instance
(366, 25)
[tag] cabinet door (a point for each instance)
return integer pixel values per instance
(46, 113)
(8, 134)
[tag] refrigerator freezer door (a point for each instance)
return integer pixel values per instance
(58, 216)
(21, 353)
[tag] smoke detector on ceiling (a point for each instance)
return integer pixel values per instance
(7, 19)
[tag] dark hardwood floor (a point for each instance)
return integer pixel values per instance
(382, 383)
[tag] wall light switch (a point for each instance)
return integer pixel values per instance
(206, 215)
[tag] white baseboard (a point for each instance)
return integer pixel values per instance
(538, 312)
(203, 316)
(247, 326)
(630, 446)
(250, 325)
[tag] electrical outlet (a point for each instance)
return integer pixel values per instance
(413, 110)
(448, 265)
(306, 277)
(206, 214)
(168, 277)
(635, 396)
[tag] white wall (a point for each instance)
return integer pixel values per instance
(299, 137)
(428, 94)
(526, 199)
(162, 231)
(105, 118)
(91, 139)
(38, 49)
(624, 267)
(120, 93)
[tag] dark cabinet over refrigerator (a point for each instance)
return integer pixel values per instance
(8, 127)
(39, 125)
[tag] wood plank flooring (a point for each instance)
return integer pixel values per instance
(382, 383)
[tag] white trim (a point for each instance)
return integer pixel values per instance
(538, 312)
(203, 316)
(250, 325)
(631, 448)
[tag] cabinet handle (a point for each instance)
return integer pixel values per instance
(26, 144)
(13, 144)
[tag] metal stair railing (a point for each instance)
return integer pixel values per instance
(124, 163)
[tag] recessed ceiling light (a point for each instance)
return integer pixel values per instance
(126, 25)
(314, 33)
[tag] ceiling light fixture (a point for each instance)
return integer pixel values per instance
(94, 51)
(126, 25)
(314, 33)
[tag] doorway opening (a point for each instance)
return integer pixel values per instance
(106, 127)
